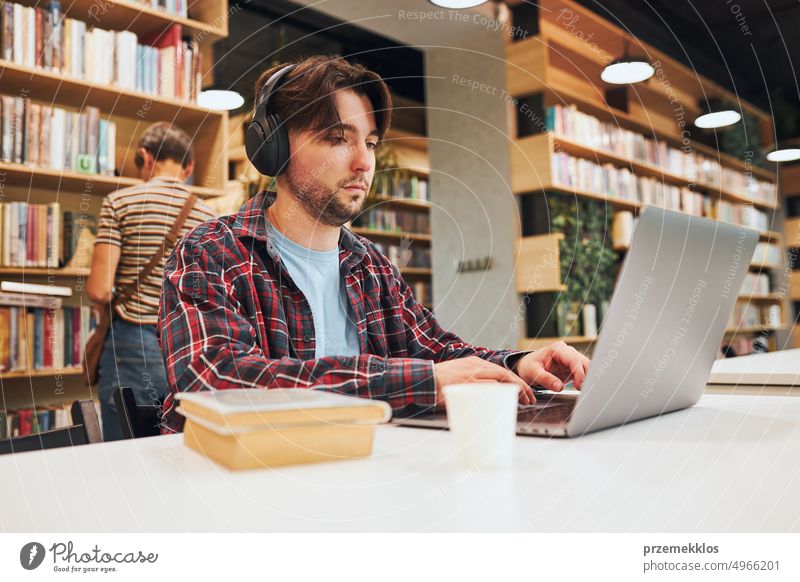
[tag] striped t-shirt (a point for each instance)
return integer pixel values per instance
(137, 219)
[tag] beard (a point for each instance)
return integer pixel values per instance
(331, 207)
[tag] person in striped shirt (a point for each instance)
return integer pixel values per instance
(282, 294)
(132, 226)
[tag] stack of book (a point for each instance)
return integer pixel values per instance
(51, 137)
(164, 64)
(253, 428)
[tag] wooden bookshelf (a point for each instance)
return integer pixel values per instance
(40, 272)
(640, 168)
(208, 19)
(402, 202)
(765, 236)
(531, 170)
(415, 272)
(38, 177)
(387, 234)
(561, 64)
(67, 90)
(557, 67)
(131, 111)
(767, 298)
(749, 329)
(43, 373)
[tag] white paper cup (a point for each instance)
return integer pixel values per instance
(482, 417)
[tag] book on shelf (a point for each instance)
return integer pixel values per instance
(622, 184)
(755, 284)
(389, 185)
(767, 254)
(422, 292)
(51, 137)
(26, 421)
(741, 214)
(40, 235)
(392, 220)
(403, 256)
(41, 37)
(43, 338)
(78, 236)
(35, 289)
(590, 131)
(10, 299)
(177, 7)
(749, 315)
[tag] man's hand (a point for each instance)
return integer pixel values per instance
(474, 369)
(553, 366)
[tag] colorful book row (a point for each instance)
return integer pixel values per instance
(41, 37)
(695, 167)
(394, 220)
(51, 137)
(41, 339)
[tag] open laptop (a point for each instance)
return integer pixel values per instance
(672, 303)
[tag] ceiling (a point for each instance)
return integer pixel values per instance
(749, 46)
(752, 47)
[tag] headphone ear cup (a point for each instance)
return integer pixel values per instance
(268, 146)
(279, 145)
(255, 145)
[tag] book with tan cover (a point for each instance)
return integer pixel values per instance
(251, 428)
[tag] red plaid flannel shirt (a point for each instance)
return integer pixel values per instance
(231, 317)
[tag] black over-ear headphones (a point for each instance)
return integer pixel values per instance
(266, 140)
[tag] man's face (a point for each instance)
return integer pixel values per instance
(330, 172)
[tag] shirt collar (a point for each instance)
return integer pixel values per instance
(251, 221)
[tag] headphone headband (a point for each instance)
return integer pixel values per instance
(272, 83)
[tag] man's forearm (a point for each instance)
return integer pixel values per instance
(401, 382)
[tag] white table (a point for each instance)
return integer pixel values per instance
(731, 463)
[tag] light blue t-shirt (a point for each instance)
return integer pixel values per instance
(316, 273)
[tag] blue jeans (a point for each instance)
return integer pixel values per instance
(130, 358)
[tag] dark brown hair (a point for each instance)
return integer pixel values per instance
(305, 98)
(166, 142)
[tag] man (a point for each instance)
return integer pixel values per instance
(282, 295)
(132, 226)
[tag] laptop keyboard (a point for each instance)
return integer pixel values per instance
(549, 413)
